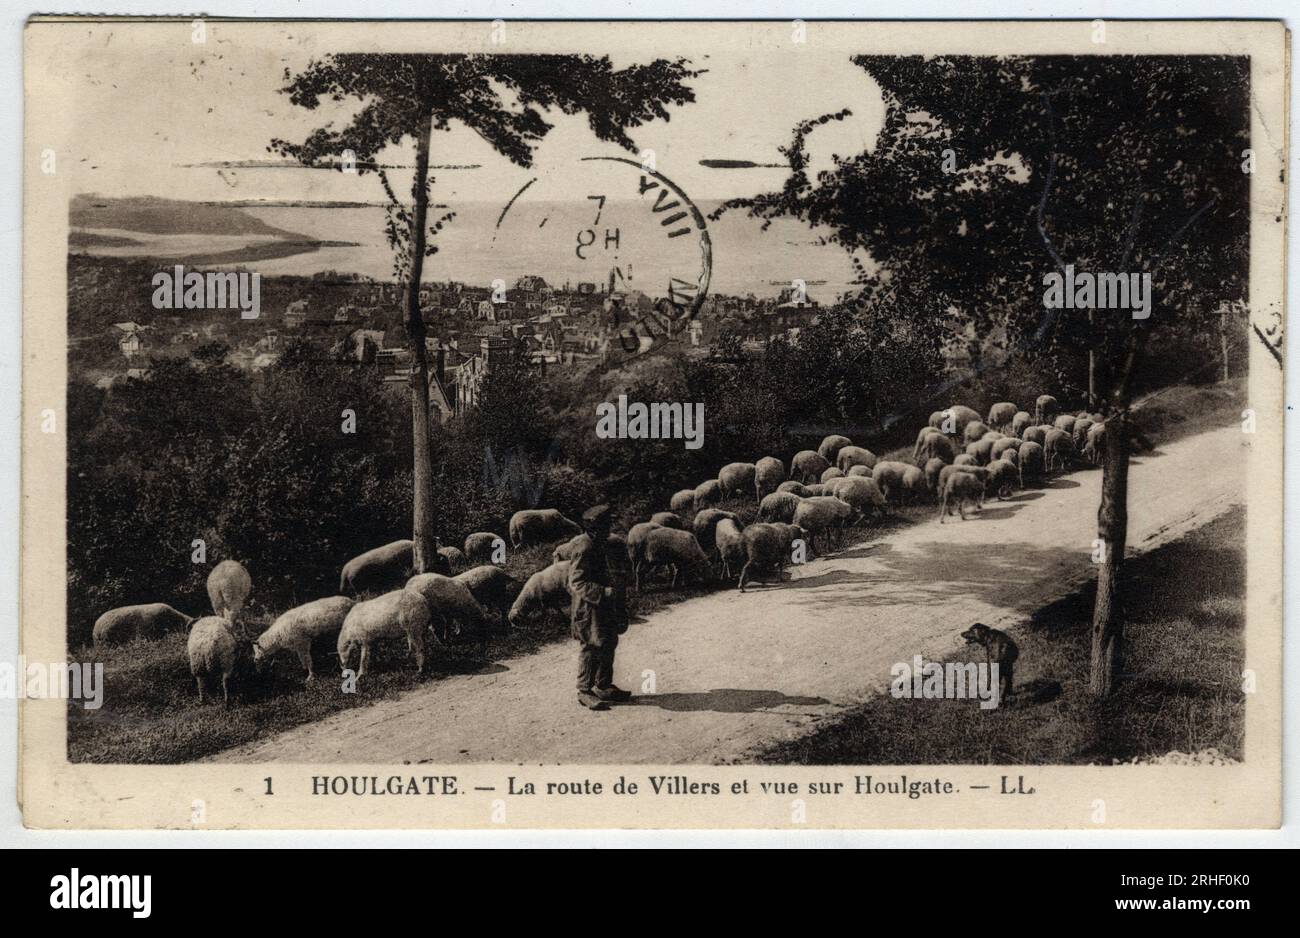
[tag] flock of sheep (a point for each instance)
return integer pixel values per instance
(957, 460)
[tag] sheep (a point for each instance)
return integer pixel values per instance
(731, 546)
(1021, 420)
(831, 446)
(859, 471)
(795, 488)
(820, 514)
(378, 570)
(769, 473)
(296, 629)
(937, 419)
(1080, 434)
(965, 459)
(548, 588)
(1095, 447)
(766, 549)
(913, 484)
(1064, 422)
(974, 431)
(1001, 414)
(453, 610)
(981, 451)
(862, 495)
(540, 526)
(667, 547)
(889, 476)
(1035, 434)
(961, 488)
(1006, 443)
(397, 614)
(213, 651)
(704, 524)
(979, 472)
(636, 540)
(1031, 461)
(707, 494)
(1002, 479)
(832, 473)
(737, 478)
(668, 519)
(851, 456)
(934, 446)
(1011, 454)
(1059, 447)
(491, 587)
(615, 550)
(228, 587)
(807, 465)
(481, 546)
(956, 418)
(932, 469)
(1045, 408)
(149, 621)
(814, 490)
(454, 556)
(778, 506)
(682, 501)
(921, 435)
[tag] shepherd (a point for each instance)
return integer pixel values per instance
(596, 618)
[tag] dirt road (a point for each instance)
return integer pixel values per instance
(732, 672)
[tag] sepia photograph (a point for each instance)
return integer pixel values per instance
(753, 424)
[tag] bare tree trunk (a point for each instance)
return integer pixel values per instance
(423, 519)
(1112, 529)
(1092, 367)
(1223, 340)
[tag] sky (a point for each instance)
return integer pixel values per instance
(153, 117)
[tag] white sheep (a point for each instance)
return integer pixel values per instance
(820, 514)
(148, 621)
(778, 506)
(668, 547)
(769, 473)
(296, 629)
(400, 614)
(213, 652)
(807, 465)
(736, 479)
(1001, 414)
(960, 488)
(539, 526)
(453, 610)
(480, 546)
(548, 588)
(636, 541)
(851, 456)
(378, 570)
(491, 587)
(731, 546)
(831, 446)
(228, 587)
(682, 501)
(707, 494)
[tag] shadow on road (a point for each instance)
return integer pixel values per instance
(725, 700)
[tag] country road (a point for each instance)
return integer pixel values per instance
(736, 672)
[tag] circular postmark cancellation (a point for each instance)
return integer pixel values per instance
(632, 250)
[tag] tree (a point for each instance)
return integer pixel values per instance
(988, 173)
(502, 98)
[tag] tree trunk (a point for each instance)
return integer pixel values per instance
(423, 518)
(1112, 529)
(1092, 367)
(1223, 340)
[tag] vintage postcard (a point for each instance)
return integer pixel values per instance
(652, 425)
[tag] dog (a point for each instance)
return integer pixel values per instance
(1001, 650)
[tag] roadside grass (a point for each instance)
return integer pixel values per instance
(1181, 691)
(151, 712)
